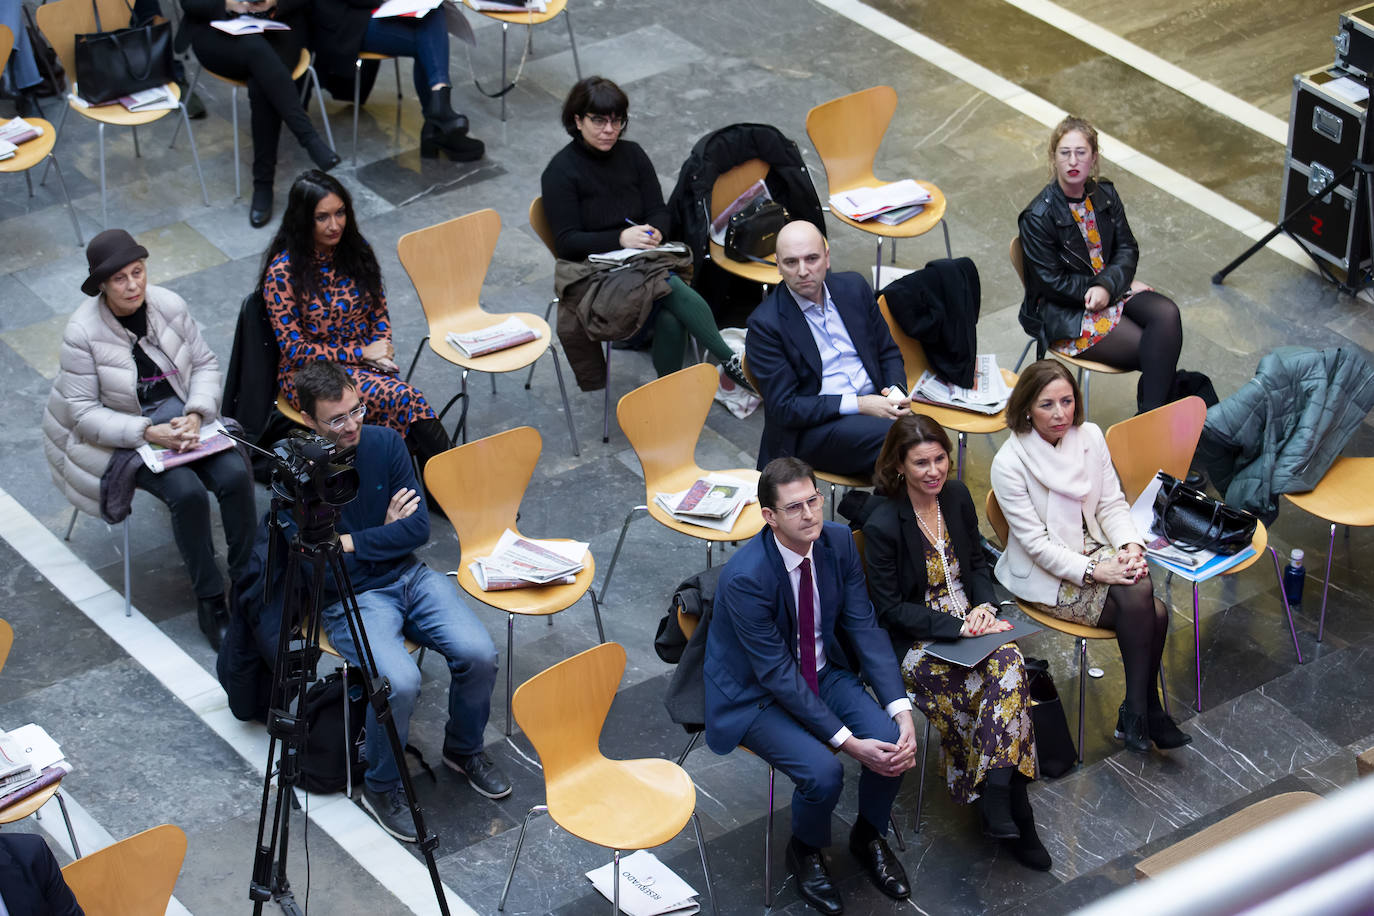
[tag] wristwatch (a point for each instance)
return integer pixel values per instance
(1088, 573)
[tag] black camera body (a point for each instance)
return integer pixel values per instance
(315, 477)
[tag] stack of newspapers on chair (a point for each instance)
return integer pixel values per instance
(30, 761)
(713, 501)
(521, 562)
(988, 395)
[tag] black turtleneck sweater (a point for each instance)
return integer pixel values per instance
(589, 195)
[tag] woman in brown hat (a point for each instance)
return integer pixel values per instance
(135, 370)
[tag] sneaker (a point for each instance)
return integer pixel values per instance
(485, 776)
(389, 809)
(734, 369)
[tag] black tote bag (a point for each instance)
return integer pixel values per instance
(110, 65)
(1054, 748)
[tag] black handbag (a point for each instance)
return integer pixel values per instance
(1192, 521)
(113, 64)
(752, 233)
(1054, 747)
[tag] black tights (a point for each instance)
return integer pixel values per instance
(1141, 623)
(1148, 338)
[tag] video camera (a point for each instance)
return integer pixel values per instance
(315, 478)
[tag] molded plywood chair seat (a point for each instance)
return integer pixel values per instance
(303, 67)
(60, 22)
(1085, 367)
(358, 91)
(663, 420)
(447, 264)
(480, 486)
(1341, 497)
(728, 186)
(133, 877)
(7, 641)
(846, 133)
(962, 422)
(618, 804)
(1251, 817)
(1165, 439)
(529, 19)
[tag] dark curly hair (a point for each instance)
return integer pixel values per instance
(594, 95)
(295, 236)
(905, 434)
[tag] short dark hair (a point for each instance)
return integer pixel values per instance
(594, 95)
(1033, 380)
(320, 380)
(778, 472)
(905, 434)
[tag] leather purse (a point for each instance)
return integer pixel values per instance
(113, 64)
(752, 233)
(1192, 521)
(1054, 747)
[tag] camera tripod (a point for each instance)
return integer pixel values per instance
(314, 551)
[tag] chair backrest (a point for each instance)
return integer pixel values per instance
(996, 519)
(6, 45)
(1162, 439)
(6, 642)
(539, 222)
(847, 132)
(448, 263)
(61, 21)
(562, 708)
(479, 485)
(913, 354)
(733, 183)
(859, 546)
(1018, 260)
(133, 877)
(663, 419)
(687, 623)
(748, 373)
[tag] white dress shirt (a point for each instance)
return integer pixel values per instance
(842, 372)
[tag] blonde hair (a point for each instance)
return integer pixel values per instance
(1068, 125)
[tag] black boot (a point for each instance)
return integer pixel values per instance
(213, 616)
(1028, 850)
(447, 131)
(994, 806)
(1131, 728)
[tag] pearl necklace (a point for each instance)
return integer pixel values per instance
(938, 541)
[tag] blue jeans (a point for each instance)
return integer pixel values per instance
(425, 39)
(424, 606)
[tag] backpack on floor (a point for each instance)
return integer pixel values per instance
(322, 758)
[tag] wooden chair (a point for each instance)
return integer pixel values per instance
(480, 486)
(529, 19)
(1251, 817)
(663, 420)
(133, 877)
(6, 641)
(1085, 367)
(1165, 439)
(728, 186)
(617, 804)
(1341, 497)
(303, 68)
(358, 92)
(847, 133)
(60, 22)
(32, 152)
(962, 422)
(447, 264)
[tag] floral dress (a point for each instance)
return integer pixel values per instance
(1096, 325)
(1079, 603)
(337, 326)
(982, 712)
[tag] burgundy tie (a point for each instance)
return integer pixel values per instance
(806, 627)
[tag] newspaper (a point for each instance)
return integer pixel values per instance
(249, 25)
(745, 494)
(502, 336)
(988, 395)
(212, 440)
(647, 887)
(1195, 566)
(710, 499)
(865, 203)
(31, 759)
(519, 562)
(621, 255)
(159, 98)
(407, 8)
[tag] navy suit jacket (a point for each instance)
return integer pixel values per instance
(750, 658)
(30, 881)
(783, 357)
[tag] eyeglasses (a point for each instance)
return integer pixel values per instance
(356, 414)
(599, 122)
(793, 510)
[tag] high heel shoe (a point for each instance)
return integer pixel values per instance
(994, 806)
(1164, 731)
(446, 131)
(1131, 728)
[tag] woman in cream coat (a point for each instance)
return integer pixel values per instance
(1072, 548)
(134, 370)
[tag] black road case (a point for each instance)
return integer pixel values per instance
(1355, 40)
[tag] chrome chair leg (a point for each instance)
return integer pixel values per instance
(596, 612)
(71, 834)
(1082, 691)
(128, 588)
(1326, 585)
(71, 525)
(515, 857)
(615, 882)
(577, 65)
(768, 846)
(411, 371)
(921, 786)
(510, 670)
(606, 396)
(705, 864)
(562, 390)
(606, 583)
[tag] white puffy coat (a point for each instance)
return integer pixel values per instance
(93, 408)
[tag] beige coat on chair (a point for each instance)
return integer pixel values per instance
(93, 408)
(1036, 558)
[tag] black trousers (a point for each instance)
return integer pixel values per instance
(186, 491)
(265, 63)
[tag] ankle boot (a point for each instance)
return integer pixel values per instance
(1131, 728)
(447, 131)
(1028, 850)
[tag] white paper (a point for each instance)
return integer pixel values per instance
(1346, 88)
(647, 886)
(535, 6)
(41, 749)
(621, 255)
(866, 203)
(404, 8)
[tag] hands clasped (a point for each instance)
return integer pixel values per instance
(884, 758)
(982, 620)
(178, 434)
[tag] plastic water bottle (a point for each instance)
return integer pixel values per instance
(1293, 577)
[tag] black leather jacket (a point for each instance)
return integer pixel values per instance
(1058, 269)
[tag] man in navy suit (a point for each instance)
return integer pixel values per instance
(30, 882)
(824, 360)
(791, 623)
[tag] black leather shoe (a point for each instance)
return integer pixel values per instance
(213, 616)
(813, 882)
(321, 153)
(882, 866)
(1164, 731)
(260, 210)
(994, 806)
(1131, 728)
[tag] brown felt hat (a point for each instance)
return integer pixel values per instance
(107, 254)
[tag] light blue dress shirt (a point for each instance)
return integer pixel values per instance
(842, 372)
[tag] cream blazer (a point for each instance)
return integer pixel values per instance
(1036, 559)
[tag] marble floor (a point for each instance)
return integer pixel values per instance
(134, 702)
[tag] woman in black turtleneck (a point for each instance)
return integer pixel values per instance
(601, 194)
